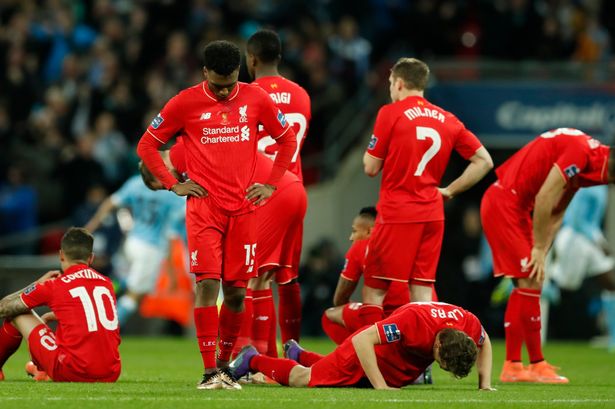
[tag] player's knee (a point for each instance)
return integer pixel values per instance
(334, 314)
(233, 297)
(206, 293)
(299, 376)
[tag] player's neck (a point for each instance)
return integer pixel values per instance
(406, 93)
(266, 72)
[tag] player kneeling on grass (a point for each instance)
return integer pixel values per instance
(390, 354)
(85, 345)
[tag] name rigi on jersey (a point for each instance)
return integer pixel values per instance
(415, 112)
(280, 97)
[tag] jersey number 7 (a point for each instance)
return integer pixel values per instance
(423, 133)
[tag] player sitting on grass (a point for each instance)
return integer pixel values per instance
(389, 354)
(85, 345)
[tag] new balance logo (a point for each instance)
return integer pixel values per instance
(245, 133)
(205, 116)
(193, 258)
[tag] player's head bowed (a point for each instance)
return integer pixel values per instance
(77, 244)
(222, 57)
(456, 352)
(265, 45)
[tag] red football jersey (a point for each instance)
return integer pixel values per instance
(415, 139)
(398, 293)
(220, 137)
(295, 103)
(88, 334)
(581, 160)
(177, 155)
(407, 337)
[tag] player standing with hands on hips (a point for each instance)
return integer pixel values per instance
(219, 119)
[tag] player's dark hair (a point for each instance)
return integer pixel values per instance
(457, 352)
(77, 244)
(368, 212)
(222, 57)
(147, 176)
(265, 45)
(413, 72)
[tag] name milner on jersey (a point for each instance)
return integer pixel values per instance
(416, 112)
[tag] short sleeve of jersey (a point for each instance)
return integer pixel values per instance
(169, 121)
(38, 294)
(272, 119)
(573, 159)
(402, 326)
(379, 142)
(353, 267)
(466, 143)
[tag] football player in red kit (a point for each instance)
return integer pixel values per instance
(390, 354)
(263, 56)
(411, 144)
(220, 118)
(84, 347)
(520, 213)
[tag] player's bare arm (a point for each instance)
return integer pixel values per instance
(103, 210)
(480, 164)
(343, 291)
(258, 192)
(546, 200)
(484, 363)
(371, 165)
(188, 188)
(12, 305)
(363, 344)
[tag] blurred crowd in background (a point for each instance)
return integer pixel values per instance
(81, 80)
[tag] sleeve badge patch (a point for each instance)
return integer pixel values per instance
(372, 142)
(156, 122)
(281, 119)
(391, 332)
(29, 289)
(572, 171)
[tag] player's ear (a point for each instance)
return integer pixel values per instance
(61, 253)
(205, 72)
(91, 259)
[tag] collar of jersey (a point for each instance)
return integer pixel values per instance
(76, 267)
(212, 96)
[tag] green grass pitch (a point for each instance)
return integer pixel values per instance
(162, 373)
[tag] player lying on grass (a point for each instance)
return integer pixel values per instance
(85, 345)
(390, 354)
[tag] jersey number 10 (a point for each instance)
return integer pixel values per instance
(88, 307)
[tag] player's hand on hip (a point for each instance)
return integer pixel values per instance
(257, 193)
(537, 264)
(446, 194)
(49, 275)
(189, 188)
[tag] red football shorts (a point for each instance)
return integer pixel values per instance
(50, 358)
(397, 295)
(508, 229)
(280, 232)
(340, 368)
(403, 252)
(221, 246)
(352, 317)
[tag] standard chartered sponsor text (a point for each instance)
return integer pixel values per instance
(224, 134)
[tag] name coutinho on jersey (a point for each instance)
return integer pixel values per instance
(413, 113)
(82, 274)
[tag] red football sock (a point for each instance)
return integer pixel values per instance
(206, 323)
(10, 339)
(230, 325)
(309, 358)
(370, 313)
(338, 333)
(262, 302)
(530, 320)
(513, 328)
(289, 297)
(277, 369)
(272, 341)
(245, 334)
